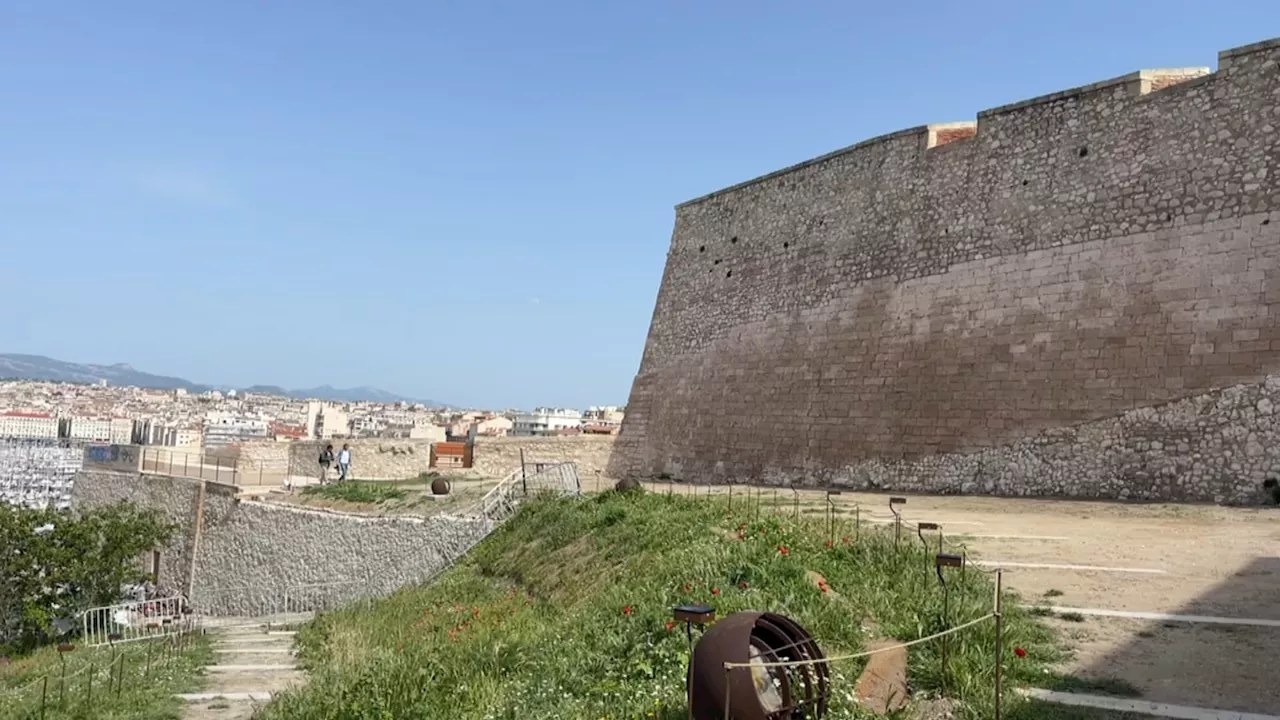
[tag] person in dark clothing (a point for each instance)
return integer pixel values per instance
(326, 462)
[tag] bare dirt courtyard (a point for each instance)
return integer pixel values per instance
(1184, 560)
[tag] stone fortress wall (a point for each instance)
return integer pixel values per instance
(250, 553)
(1076, 295)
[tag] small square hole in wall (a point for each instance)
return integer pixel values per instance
(729, 274)
(1082, 151)
(786, 245)
(702, 248)
(733, 240)
(717, 262)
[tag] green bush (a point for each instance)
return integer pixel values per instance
(565, 612)
(54, 565)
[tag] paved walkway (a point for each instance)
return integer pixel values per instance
(254, 662)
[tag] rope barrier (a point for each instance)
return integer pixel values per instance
(797, 663)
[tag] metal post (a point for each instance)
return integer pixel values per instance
(795, 508)
(185, 458)
(730, 498)
(757, 502)
(44, 696)
(857, 523)
(89, 692)
(775, 501)
(217, 469)
(999, 636)
(897, 518)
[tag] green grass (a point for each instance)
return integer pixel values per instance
(535, 623)
(143, 694)
(357, 492)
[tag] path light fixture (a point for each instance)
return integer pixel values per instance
(732, 673)
(63, 649)
(943, 560)
(929, 526)
(690, 615)
(897, 519)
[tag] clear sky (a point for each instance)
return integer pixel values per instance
(466, 201)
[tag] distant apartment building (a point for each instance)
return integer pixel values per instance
(88, 429)
(546, 421)
(223, 431)
(288, 433)
(157, 432)
(434, 433)
(28, 426)
(603, 415)
(121, 431)
(496, 426)
(326, 421)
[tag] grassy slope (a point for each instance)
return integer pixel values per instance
(141, 696)
(564, 613)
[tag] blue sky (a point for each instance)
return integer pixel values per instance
(465, 201)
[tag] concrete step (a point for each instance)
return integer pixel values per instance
(253, 682)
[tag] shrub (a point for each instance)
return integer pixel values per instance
(54, 565)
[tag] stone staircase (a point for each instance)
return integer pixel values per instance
(254, 661)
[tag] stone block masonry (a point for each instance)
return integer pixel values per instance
(891, 314)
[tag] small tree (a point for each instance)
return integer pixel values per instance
(54, 565)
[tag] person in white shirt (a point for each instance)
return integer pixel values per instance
(344, 462)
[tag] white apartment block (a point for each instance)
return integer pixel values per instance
(28, 426)
(546, 421)
(89, 429)
(121, 431)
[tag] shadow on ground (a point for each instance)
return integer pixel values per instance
(1226, 667)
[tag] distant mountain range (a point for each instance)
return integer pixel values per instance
(38, 367)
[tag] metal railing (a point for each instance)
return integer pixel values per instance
(501, 502)
(140, 620)
(204, 465)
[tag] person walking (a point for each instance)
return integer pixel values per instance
(326, 461)
(344, 462)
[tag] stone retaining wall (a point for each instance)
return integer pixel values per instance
(249, 552)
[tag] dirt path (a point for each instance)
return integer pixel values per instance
(1175, 559)
(254, 662)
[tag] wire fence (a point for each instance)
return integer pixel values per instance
(763, 674)
(88, 676)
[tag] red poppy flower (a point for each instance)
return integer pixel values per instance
(626, 610)
(743, 586)
(670, 626)
(688, 587)
(782, 529)
(742, 536)
(1019, 652)
(782, 549)
(828, 544)
(715, 591)
(845, 539)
